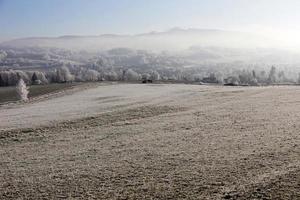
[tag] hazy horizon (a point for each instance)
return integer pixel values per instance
(78, 17)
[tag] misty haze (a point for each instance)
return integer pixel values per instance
(137, 99)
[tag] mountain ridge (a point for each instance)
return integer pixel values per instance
(176, 38)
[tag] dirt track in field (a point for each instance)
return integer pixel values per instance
(154, 142)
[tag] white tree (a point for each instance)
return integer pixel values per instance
(146, 76)
(111, 76)
(3, 55)
(155, 76)
(64, 75)
(272, 75)
(91, 75)
(22, 90)
(23, 75)
(131, 75)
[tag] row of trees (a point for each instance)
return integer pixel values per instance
(123, 64)
(247, 77)
(11, 77)
(73, 73)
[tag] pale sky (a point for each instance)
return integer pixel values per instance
(26, 18)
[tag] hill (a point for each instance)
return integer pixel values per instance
(172, 40)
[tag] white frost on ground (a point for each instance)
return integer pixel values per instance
(89, 102)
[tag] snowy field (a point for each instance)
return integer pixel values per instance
(173, 141)
(92, 102)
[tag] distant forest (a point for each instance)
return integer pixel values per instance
(54, 65)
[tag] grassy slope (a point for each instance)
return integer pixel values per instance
(195, 143)
(8, 94)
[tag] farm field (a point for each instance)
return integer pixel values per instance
(160, 141)
(8, 94)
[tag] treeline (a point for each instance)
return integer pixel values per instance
(70, 74)
(255, 78)
(43, 66)
(74, 73)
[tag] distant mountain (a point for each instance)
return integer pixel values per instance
(173, 40)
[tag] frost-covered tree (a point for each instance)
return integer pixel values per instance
(3, 55)
(79, 74)
(64, 75)
(38, 78)
(22, 90)
(4, 76)
(248, 78)
(91, 75)
(262, 77)
(155, 76)
(146, 76)
(131, 75)
(281, 77)
(9, 78)
(23, 75)
(34, 78)
(111, 76)
(272, 75)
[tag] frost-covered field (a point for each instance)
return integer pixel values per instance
(132, 141)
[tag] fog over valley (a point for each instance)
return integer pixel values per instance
(188, 55)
